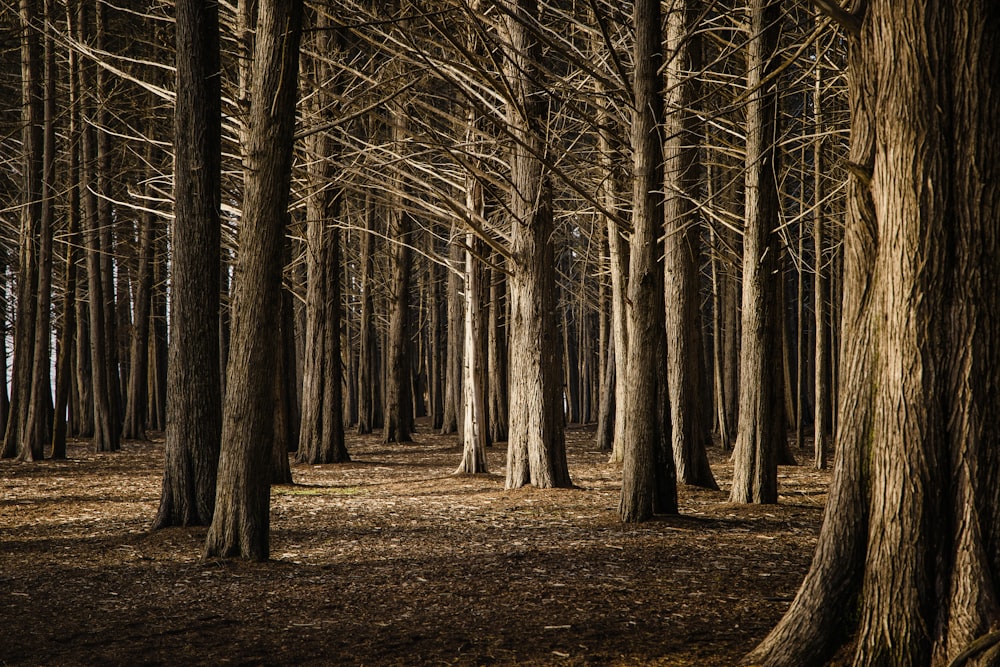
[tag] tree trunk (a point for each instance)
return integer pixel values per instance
(194, 420)
(369, 401)
(321, 439)
(536, 448)
(648, 477)
(908, 539)
(689, 409)
(498, 406)
(822, 390)
(454, 343)
(761, 434)
(474, 405)
(22, 436)
(398, 401)
(241, 524)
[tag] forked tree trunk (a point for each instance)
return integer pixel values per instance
(908, 543)
(649, 483)
(536, 446)
(690, 413)
(194, 420)
(241, 525)
(761, 433)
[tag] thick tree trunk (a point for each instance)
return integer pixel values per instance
(649, 483)
(690, 415)
(762, 431)
(908, 539)
(536, 447)
(194, 420)
(241, 524)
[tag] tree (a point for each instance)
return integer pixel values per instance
(648, 476)
(241, 524)
(194, 419)
(908, 542)
(761, 435)
(536, 449)
(321, 438)
(689, 413)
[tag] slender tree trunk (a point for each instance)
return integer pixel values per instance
(498, 406)
(689, 409)
(761, 434)
(241, 524)
(194, 426)
(822, 390)
(21, 436)
(321, 439)
(474, 405)
(369, 402)
(138, 381)
(536, 448)
(649, 483)
(453, 370)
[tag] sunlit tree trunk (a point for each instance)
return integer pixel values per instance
(241, 524)
(761, 432)
(908, 542)
(649, 484)
(536, 451)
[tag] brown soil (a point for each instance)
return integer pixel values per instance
(392, 560)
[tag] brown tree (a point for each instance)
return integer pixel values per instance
(194, 419)
(689, 409)
(648, 477)
(761, 432)
(906, 566)
(241, 524)
(536, 448)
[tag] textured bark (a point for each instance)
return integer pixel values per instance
(909, 539)
(398, 402)
(21, 435)
(690, 416)
(648, 481)
(321, 438)
(822, 361)
(474, 363)
(536, 446)
(138, 381)
(761, 433)
(194, 420)
(241, 524)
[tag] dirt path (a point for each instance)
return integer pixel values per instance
(391, 560)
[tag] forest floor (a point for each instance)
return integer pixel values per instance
(392, 560)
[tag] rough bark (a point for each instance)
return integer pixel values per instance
(761, 433)
(454, 343)
(536, 446)
(369, 394)
(321, 438)
(241, 524)
(648, 481)
(690, 416)
(498, 408)
(194, 420)
(909, 539)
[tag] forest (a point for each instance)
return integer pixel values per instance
(500, 332)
